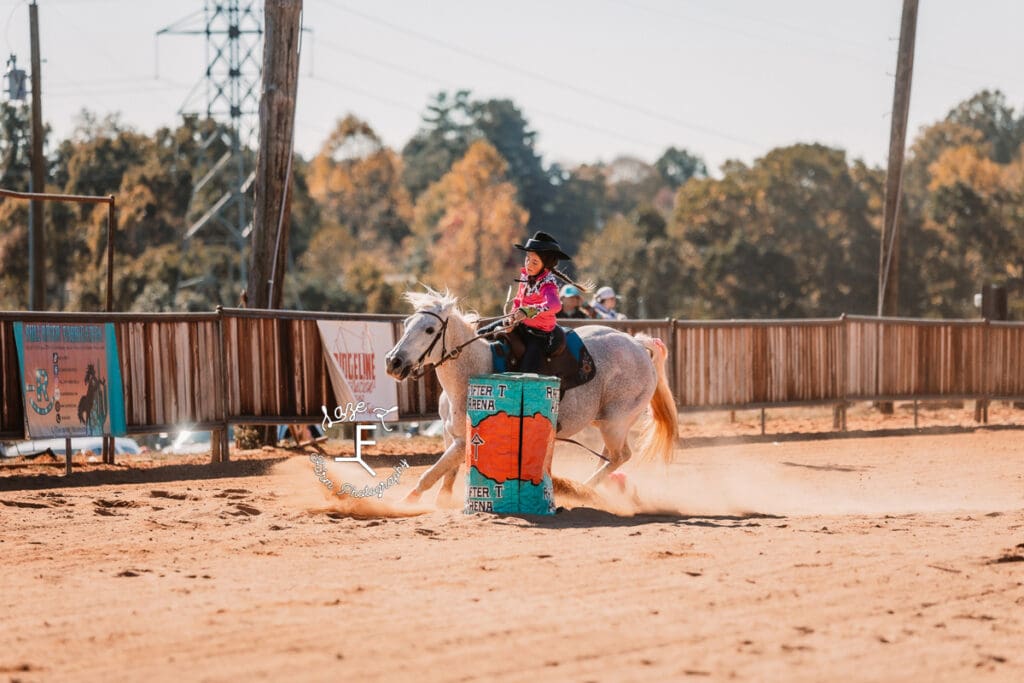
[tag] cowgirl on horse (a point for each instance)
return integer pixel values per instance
(537, 300)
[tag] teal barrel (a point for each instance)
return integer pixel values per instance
(511, 420)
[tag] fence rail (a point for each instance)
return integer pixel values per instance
(257, 366)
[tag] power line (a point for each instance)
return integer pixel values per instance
(792, 28)
(607, 99)
(115, 63)
(366, 93)
(155, 88)
(419, 75)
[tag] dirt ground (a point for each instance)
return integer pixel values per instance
(884, 555)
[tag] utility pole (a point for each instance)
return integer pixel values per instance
(889, 252)
(36, 237)
(889, 249)
(282, 30)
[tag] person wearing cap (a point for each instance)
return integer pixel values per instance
(604, 304)
(572, 303)
(537, 303)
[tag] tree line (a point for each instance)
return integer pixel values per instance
(795, 233)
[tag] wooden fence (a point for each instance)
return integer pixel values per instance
(207, 370)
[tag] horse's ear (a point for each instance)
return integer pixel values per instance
(447, 301)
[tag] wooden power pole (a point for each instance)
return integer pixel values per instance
(282, 30)
(36, 236)
(889, 252)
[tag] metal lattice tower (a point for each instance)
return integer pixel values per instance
(231, 85)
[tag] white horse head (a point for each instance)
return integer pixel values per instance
(434, 328)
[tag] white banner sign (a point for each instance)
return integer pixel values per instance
(354, 351)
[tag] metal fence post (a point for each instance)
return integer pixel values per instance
(220, 444)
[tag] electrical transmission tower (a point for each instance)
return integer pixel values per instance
(231, 85)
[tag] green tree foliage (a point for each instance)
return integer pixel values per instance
(635, 256)
(152, 177)
(790, 236)
(503, 125)
(15, 155)
(581, 204)
(630, 182)
(443, 138)
(989, 114)
(15, 147)
(676, 166)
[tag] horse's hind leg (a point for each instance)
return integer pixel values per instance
(616, 449)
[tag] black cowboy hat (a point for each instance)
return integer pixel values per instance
(542, 243)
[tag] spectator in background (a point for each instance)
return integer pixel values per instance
(572, 303)
(604, 305)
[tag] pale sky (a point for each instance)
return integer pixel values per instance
(726, 79)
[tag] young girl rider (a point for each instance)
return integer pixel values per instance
(537, 300)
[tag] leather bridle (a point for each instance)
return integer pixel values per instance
(440, 335)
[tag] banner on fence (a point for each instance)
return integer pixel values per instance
(71, 379)
(354, 351)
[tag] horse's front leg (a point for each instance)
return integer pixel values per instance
(447, 493)
(448, 463)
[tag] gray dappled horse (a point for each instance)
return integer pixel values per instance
(630, 376)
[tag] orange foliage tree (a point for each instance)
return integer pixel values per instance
(464, 226)
(356, 180)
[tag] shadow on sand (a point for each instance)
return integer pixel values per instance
(584, 518)
(703, 441)
(135, 475)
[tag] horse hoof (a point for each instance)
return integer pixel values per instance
(412, 497)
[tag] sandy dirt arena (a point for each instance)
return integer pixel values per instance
(893, 558)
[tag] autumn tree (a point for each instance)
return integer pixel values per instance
(356, 181)
(976, 212)
(551, 195)
(464, 228)
(961, 215)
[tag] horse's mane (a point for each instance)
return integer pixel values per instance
(437, 301)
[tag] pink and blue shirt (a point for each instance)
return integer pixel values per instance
(539, 301)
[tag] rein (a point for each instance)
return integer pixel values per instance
(447, 355)
(586, 448)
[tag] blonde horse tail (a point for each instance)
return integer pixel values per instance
(659, 438)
